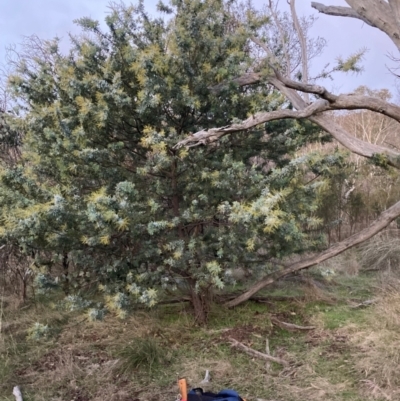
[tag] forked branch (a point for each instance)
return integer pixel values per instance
(313, 111)
(257, 354)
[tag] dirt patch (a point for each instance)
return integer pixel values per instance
(333, 344)
(322, 337)
(78, 395)
(243, 334)
(59, 358)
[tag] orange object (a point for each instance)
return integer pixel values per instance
(183, 389)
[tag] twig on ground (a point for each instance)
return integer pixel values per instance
(17, 393)
(364, 304)
(290, 326)
(219, 330)
(207, 378)
(257, 354)
(268, 352)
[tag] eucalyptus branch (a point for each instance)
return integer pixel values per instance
(338, 11)
(303, 47)
(314, 112)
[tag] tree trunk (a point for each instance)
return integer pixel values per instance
(201, 301)
(65, 265)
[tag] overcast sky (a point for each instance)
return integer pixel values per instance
(49, 18)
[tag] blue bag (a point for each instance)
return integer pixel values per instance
(197, 394)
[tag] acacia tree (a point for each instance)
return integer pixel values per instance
(314, 103)
(101, 189)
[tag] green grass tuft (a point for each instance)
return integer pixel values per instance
(144, 354)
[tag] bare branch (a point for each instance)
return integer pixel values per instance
(303, 46)
(347, 102)
(274, 13)
(315, 89)
(290, 326)
(355, 145)
(341, 102)
(379, 224)
(395, 6)
(313, 112)
(257, 354)
(212, 135)
(338, 11)
(249, 78)
(378, 14)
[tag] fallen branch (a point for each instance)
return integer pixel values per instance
(290, 326)
(364, 304)
(207, 378)
(268, 352)
(223, 298)
(282, 298)
(226, 329)
(174, 301)
(378, 225)
(257, 354)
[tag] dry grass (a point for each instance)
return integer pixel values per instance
(382, 251)
(314, 292)
(346, 263)
(353, 355)
(379, 344)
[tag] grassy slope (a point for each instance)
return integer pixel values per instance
(352, 354)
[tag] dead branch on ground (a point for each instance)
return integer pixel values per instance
(290, 326)
(257, 354)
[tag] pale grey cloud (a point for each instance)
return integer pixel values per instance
(50, 18)
(45, 18)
